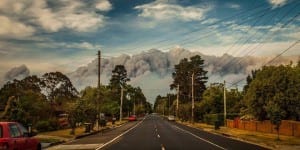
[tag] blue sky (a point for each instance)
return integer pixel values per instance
(61, 35)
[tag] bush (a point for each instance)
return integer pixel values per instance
(212, 118)
(47, 125)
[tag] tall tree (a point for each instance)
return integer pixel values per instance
(58, 87)
(119, 77)
(197, 64)
(182, 76)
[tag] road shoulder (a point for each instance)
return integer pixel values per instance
(262, 139)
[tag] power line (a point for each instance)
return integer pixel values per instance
(230, 63)
(284, 51)
(240, 13)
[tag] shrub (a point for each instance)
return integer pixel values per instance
(47, 125)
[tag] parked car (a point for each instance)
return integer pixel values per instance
(132, 118)
(171, 118)
(15, 136)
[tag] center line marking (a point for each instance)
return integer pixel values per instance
(120, 135)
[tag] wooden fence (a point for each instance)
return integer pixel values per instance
(287, 127)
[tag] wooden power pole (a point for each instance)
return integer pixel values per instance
(177, 101)
(193, 98)
(98, 89)
(225, 113)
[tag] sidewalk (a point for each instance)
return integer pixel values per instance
(52, 138)
(263, 139)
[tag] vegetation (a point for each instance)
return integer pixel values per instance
(42, 101)
(274, 90)
(183, 74)
(271, 93)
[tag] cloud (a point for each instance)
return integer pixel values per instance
(103, 5)
(71, 45)
(52, 16)
(277, 3)
(17, 73)
(152, 70)
(82, 45)
(11, 28)
(234, 6)
(162, 10)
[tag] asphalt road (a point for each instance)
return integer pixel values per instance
(156, 133)
(95, 141)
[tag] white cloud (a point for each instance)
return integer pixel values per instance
(209, 21)
(63, 45)
(11, 28)
(277, 3)
(234, 6)
(67, 14)
(103, 5)
(162, 10)
(83, 46)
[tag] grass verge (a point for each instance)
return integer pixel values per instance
(263, 139)
(64, 134)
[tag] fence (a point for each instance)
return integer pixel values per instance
(287, 127)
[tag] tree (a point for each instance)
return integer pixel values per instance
(275, 114)
(182, 76)
(29, 108)
(197, 64)
(213, 98)
(274, 84)
(58, 87)
(119, 77)
(17, 87)
(81, 111)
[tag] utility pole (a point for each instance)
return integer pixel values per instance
(99, 68)
(98, 88)
(177, 101)
(169, 105)
(193, 99)
(225, 103)
(134, 106)
(121, 104)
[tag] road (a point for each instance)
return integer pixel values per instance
(156, 133)
(94, 141)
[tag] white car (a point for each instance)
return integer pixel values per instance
(171, 118)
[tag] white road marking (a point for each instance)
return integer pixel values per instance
(75, 147)
(200, 138)
(119, 135)
(158, 136)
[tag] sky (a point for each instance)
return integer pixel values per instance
(48, 35)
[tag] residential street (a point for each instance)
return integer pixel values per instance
(155, 133)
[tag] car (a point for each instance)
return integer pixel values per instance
(13, 136)
(171, 118)
(132, 118)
